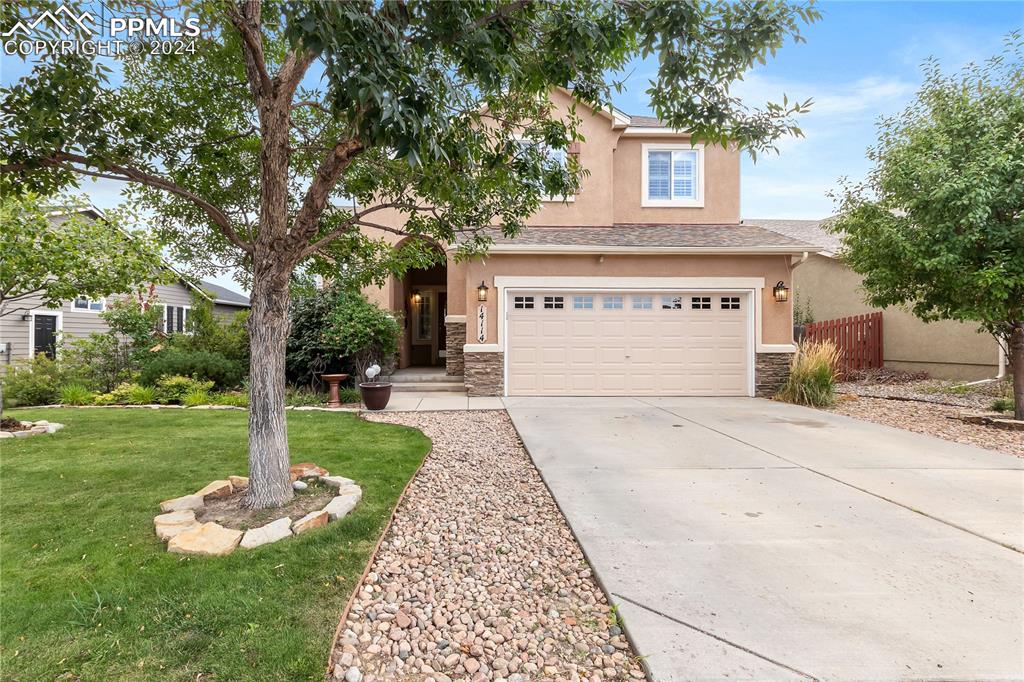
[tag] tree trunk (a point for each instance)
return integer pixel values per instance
(270, 484)
(1016, 348)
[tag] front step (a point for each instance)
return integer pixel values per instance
(451, 385)
(423, 375)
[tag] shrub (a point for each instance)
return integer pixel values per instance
(350, 394)
(1002, 405)
(196, 396)
(141, 395)
(173, 388)
(309, 354)
(363, 332)
(209, 333)
(232, 399)
(812, 375)
(98, 361)
(32, 382)
(200, 365)
(75, 394)
(103, 399)
(301, 396)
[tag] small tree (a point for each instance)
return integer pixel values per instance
(939, 224)
(53, 253)
(362, 332)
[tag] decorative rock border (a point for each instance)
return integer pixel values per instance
(184, 534)
(36, 428)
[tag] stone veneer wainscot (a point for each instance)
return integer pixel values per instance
(770, 371)
(485, 374)
(455, 339)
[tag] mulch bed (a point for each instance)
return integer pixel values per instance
(228, 511)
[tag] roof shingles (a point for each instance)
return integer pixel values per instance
(653, 236)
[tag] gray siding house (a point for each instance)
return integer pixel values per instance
(30, 328)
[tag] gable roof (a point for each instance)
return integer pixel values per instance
(811, 231)
(223, 295)
(648, 238)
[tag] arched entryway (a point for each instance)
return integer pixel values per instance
(422, 296)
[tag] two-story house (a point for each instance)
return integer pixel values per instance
(643, 283)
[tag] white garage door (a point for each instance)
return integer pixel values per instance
(628, 343)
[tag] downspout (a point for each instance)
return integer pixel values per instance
(1001, 373)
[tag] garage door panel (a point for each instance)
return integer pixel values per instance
(628, 351)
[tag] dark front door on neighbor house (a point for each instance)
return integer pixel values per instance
(44, 335)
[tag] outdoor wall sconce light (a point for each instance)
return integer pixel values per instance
(481, 292)
(25, 317)
(416, 298)
(781, 292)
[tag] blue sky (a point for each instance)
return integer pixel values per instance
(861, 61)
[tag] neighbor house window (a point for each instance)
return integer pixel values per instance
(174, 319)
(672, 175)
(84, 303)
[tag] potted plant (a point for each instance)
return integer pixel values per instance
(368, 336)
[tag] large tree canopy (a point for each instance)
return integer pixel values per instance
(938, 226)
(294, 124)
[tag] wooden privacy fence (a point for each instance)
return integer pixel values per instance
(858, 338)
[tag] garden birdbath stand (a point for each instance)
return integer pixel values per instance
(333, 400)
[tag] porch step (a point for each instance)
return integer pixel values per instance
(453, 385)
(422, 375)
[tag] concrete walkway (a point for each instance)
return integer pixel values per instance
(747, 539)
(430, 401)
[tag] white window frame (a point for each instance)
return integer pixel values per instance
(88, 305)
(643, 302)
(187, 309)
(646, 201)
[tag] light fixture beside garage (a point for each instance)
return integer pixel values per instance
(781, 292)
(481, 292)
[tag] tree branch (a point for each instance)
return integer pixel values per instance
(247, 20)
(326, 177)
(131, 174)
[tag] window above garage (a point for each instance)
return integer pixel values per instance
(673, 175)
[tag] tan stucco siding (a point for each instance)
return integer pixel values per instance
(946, 349)
(776, 317)
(721, 186)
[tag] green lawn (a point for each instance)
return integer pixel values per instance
(87, 590)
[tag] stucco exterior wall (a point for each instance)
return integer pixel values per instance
(776, 317)
(946, 349)
(721, 185)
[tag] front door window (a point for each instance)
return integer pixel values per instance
(424, 327)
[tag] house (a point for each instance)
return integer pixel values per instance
(643, 283)
(827, 289)
(32, 328)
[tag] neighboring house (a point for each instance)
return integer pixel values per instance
(644, 283)
(32, 328)
(827, 289)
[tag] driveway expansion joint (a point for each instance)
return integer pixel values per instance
(712, 635)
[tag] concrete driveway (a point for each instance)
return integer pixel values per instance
(747, 539)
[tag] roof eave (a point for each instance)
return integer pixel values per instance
(568, 249)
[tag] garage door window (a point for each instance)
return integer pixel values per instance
(671, 302)
(523, 302)
(583, 302)
(643, 302)
(554, 302)
(730, 303)
(612, 303)
(700, 303)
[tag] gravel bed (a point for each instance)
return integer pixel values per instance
(978, 397)
(933, 420)
(479, 577)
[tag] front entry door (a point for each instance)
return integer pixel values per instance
(44, 335)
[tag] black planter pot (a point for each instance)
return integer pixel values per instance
(375, 395)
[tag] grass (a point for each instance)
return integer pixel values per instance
(88, 591)
(812, 375)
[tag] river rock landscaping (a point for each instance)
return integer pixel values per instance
(213, 522)
(479, 576)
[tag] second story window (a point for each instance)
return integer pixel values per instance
(554, 158)
(673, 175)
(96, 305)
